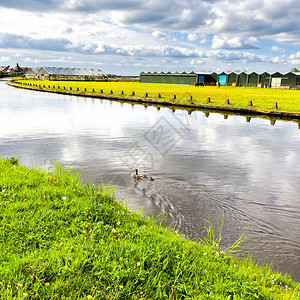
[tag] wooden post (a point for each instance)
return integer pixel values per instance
(272, 122)
(225, 117)
(159, 96)
(227, 102)
(206, 114)
(64, 88)
(58, 87)
(298, 125)
(122, 92)
(93, 90)
(275, 105)
(146, 95)
(48, 86)
(70, 88)
(85, 89)
(173, 110)
(250, 103)
(191, 98)
(158, 108)
(208, 100)
(54, 86)
(248, 119)
(174, 97)
(133, 93)
(101, 91)
(111, 92)
(77, 89)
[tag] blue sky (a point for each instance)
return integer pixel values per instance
(128, 37)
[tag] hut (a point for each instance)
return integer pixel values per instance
(233, 79)
(253, 79)
(264, 78)
(222, 78)
(291, 79)
(275, 80)
(243, 78)
(206, 79)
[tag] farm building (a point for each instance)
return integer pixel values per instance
(178, 78)
(31, 73)
(53, 73)
(253, 79)
(13, 71)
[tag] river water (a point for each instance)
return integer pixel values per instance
(246, 173)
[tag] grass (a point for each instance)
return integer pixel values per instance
(60, 239)
(262, 99)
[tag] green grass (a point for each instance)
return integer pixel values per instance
(263, 99)
(60, 239)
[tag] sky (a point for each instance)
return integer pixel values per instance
(132, 36)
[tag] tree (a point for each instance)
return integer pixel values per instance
(295, 70)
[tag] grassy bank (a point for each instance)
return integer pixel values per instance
(262, 99)
(63, 240)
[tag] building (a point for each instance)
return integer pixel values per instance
(53, 73)
(178, 78)
(253, 79)
(13, 71)
(31, 73)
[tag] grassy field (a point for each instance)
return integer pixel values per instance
(262, 99)
(63, 240)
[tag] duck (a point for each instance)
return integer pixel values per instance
(138, 176)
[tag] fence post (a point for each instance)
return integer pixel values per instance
(159, 96)
(208, 100)
(275, 105)
(227, 102)
(250, 103)
(146, 95)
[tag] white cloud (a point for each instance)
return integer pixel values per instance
(277, 49)
(224, 42)
(4, 58)
(160, 35)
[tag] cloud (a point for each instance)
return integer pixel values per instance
(160, 35)
(277, 49)
(24, 42)
(4, 58)
(234, 43)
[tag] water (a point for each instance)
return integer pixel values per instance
(203, 165)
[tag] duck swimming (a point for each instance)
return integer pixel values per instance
(138, 176)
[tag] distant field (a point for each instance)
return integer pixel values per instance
(262, 99)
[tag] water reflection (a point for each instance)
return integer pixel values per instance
(201, 163)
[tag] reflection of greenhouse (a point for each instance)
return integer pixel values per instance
(290, 79)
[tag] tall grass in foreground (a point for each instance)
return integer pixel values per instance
(63, 240)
